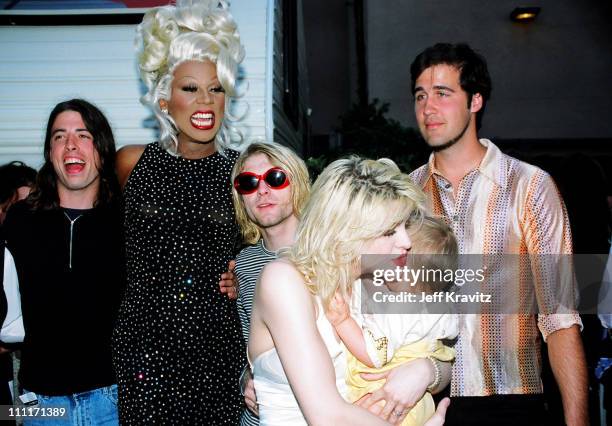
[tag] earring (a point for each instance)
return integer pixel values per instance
(164, 110)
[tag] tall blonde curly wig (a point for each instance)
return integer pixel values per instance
(353, 200)
(191, 30)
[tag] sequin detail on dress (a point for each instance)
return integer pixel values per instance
(178, 348)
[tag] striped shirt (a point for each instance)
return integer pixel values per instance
(249, 263)
(510, 207)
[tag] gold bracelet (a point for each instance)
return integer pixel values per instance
(437, 374)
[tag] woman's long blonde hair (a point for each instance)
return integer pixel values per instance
(353, 200)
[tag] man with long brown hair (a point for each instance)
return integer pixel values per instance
(68, 250)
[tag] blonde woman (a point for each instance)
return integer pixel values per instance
(356, 207)
(178, 349)
(379, 342)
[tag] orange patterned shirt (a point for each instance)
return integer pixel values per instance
(505, 206)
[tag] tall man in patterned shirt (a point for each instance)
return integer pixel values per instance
(271, 186)
(496, 204)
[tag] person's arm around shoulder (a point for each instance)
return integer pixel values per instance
(284, 305)
(126, 160)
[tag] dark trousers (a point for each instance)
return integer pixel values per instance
(499, 410)
(6, 375)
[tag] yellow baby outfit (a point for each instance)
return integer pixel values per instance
(391, 340)
(357, 386)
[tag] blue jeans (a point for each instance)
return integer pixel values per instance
(97, 407)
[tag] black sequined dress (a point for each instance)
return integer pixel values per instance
(178, 349)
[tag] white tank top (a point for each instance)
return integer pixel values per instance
(277, 405)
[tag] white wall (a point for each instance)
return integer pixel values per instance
(250, 15)
(41, 66)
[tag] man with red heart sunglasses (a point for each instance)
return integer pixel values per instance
(271, 186)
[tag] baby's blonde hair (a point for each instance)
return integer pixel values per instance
(434, 247)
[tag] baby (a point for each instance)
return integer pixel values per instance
(379, 342)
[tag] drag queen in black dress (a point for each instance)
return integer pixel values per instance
(178, 349)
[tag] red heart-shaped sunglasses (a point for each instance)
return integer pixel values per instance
(247, 182)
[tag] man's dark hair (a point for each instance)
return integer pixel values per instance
(474, 74)
(14, 175)
(44, 195)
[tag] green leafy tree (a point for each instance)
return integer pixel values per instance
(367, 131)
